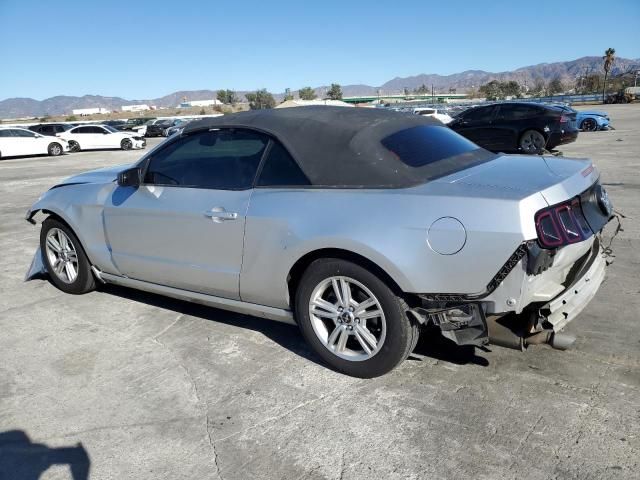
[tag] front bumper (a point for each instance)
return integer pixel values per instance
(139, 143)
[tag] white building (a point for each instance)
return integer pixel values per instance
(89, 111)
(135, 108)
(200, 103)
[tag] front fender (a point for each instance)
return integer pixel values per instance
(81, 207)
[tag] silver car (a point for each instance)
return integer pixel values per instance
(361, 226)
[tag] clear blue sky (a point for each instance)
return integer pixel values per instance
(141, 49)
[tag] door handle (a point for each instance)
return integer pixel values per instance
(219, 215)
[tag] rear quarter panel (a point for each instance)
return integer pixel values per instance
(389, 227)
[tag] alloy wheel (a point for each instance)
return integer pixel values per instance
(589, 125)
(347, 318)
(62, 255)
(532, 142)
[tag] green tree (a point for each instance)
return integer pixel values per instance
(307, 93)
(287, 94)
(491, 90)
(422, 90)
(609, 58)
(228, 97)
(71, 118)
(555, 86)
(539, 88)
(260, 99)
(510, 88)
(335, 92)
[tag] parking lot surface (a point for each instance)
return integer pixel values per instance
(133, 385)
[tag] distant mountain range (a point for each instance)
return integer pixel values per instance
(567, 71)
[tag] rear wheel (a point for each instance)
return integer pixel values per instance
(352, 319)
(589, 125)
(55, 149)
(74, 146)
(126, 144)
(66, 262)
(532, 142)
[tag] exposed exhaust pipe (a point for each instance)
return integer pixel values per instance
(511, 337)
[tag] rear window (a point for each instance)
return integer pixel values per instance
(426, 144)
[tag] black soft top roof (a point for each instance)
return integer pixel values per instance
(339, 146)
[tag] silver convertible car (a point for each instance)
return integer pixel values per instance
(359, 225)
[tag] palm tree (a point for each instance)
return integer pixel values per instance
(609, 57)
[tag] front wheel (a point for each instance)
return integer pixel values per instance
(74, 146)
(66, 262)
(126, 144)
(532, 142)
(352, 319)
(589, 125)
(55, 149)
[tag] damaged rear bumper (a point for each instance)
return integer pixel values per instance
(568, 305)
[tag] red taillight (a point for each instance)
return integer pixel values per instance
(562, 224)
(564, 119)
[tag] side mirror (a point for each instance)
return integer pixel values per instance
(132, 177)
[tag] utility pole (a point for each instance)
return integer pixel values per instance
(432, 92)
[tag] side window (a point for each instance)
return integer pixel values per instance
(479, 114)
(216, 159)
(5, 133)
(23, 133)
(516, 112)
(96, 130)
(280, 169)
(80, 130)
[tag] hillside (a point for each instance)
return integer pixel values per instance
(567, 71)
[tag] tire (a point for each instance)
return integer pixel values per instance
(339, 336)
(589, 125)
(126, 144)
(74, 146)
(60, 247)
(532, 142)
(55, 149)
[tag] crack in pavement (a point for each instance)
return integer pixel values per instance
(271, 419)
(196, 393)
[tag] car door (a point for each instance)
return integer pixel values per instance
(104, 138)
(84, 136)
(28, 142)
(9, 144)
(184, 225)
(511, 120)
(476, 125)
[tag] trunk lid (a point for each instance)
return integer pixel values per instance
(556, 178)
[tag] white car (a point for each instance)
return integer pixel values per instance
(91, 137)
(433, 112)
(20, 141)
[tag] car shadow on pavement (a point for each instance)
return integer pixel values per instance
(21, 459)
(431, 343)
(434, 345)
(284, 334)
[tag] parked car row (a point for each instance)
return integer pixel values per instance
(15, 141)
